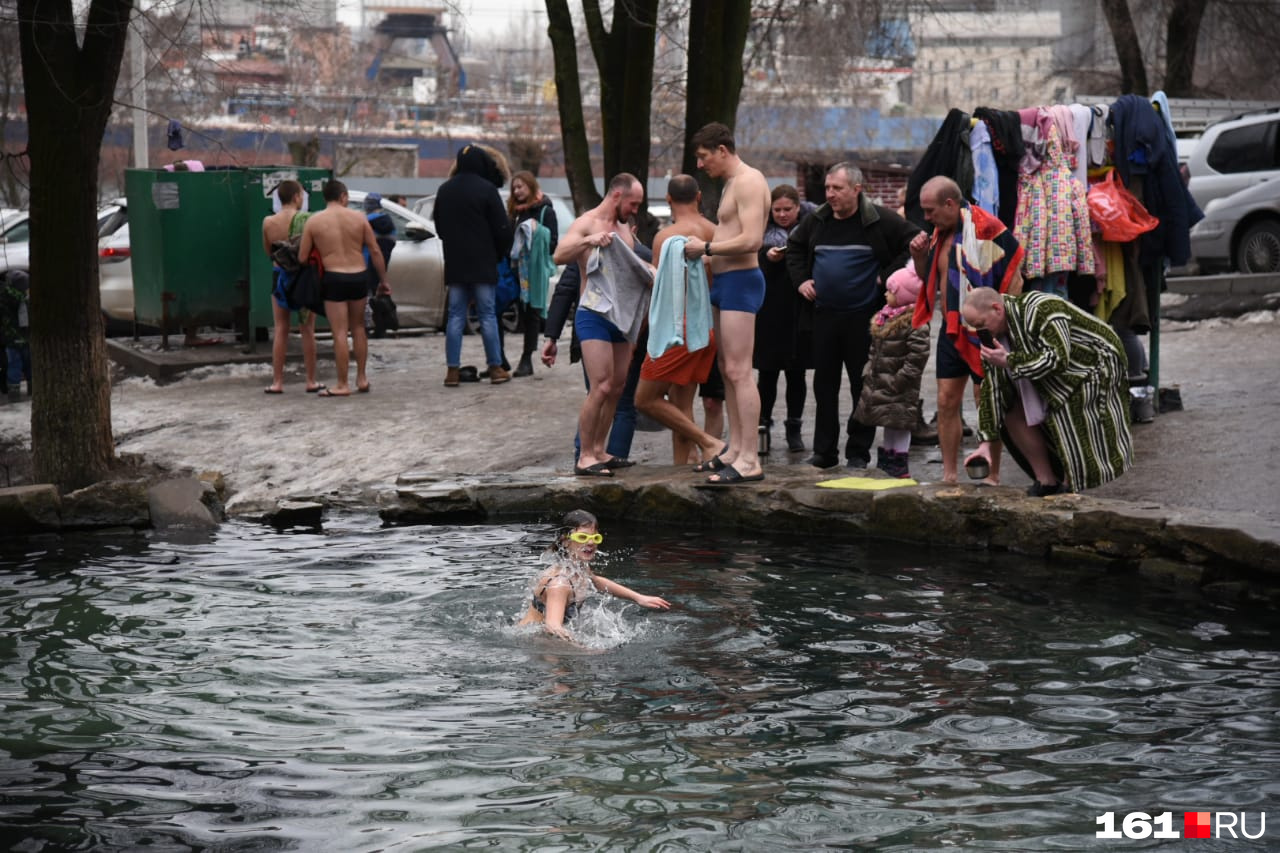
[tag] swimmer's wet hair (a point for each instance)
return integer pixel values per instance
(573, 519)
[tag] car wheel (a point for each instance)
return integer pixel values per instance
(1259, 248)
(510, 320)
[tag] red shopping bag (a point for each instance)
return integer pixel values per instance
(1117, 212)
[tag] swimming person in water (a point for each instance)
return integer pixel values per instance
(562, 589)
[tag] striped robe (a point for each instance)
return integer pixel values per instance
(1077, 365)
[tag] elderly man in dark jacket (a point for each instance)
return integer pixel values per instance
(472, 222)
(839, 259)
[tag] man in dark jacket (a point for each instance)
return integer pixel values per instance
(472, 222)
(839, 259)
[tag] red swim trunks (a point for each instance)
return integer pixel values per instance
(679, 366)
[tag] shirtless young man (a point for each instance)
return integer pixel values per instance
(277, 227)
(737, 292)
(668, 384)
(606, 352)
(340, 234)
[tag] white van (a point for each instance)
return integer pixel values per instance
(1234, 154)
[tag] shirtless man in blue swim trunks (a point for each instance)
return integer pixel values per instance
(737, 291)
(606, 352)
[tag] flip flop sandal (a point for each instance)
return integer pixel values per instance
(715, 463)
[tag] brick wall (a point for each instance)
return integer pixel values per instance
(880, 182)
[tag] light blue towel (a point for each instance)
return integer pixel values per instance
(680, 307)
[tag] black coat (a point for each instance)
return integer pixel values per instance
(472, 221)
(948, 154)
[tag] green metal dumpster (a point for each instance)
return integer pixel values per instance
(196, 241)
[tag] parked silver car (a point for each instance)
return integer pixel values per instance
(416, 272)
(426, 206)
(115, 269)
(1234, 154)
(1241, 231)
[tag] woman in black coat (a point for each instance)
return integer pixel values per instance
(781, 347)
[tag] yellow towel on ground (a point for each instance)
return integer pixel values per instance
(874, 484)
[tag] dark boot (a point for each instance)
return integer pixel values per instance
(795, 443)
(892, 463)
(923, 433)
(525, 368)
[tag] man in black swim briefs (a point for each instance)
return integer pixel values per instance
(340, 235)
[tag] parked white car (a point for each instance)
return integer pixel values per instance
(1234, 154)
(115, 270)
(416, 272)
(425, 207)
(1240, 231)
(115, 266)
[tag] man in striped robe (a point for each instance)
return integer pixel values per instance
(1056, 390)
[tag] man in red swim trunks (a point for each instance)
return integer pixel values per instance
(668, 384)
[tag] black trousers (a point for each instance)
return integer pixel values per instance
(532, 322)
(841, 342)
(797, 391)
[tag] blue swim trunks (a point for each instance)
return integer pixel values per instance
(591, 326)
(738, 290)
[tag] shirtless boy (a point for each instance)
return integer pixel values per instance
(737, 291)
(277, 227)
(606, 352)
(340, 234)
(668, 384)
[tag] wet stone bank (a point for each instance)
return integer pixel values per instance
(1228, 557)
(1233, 558)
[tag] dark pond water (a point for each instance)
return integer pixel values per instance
(363, 690)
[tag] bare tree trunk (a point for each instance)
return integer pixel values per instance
(1133, 73)
(624, 56)
(717, 40)
(14, 176)
(69, 91)
(573, 129)
(1182, 38)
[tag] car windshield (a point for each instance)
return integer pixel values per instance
(110, 222)
(20, 233)
(401, 222)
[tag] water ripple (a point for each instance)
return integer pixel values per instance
(362, 688)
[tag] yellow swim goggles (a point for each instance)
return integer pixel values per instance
(586, 538)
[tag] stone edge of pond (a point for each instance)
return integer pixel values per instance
(1232, 558)
(1227, 557)
(129, 504)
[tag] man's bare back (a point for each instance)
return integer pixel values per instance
(276, 226)
(695, 227)
(340, 234)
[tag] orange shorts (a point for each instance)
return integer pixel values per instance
(679, 366)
